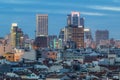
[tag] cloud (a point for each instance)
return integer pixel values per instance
(37, 9)
(42, 2)
(49, 11)
(64, 4)
(56, 11)
(108, 8)
(18, 1)
(116, 1)
(93, 13)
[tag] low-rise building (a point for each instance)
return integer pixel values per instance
(50, 54)
(73, 55)
(14, 56)
(57, 77)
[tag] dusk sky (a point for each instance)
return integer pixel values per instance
(98, 14)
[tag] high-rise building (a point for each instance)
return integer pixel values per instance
(16, 36)
(42, 25)
(41, 42)
(51, 39)
(88, 37)
(74, 19)
(41, 31)
(13, 40)
(69, 20)
(75, 34)
(82, 22)
(88, 34)
(101, 35)
(78, 36)
(61, 34)
(74, 31)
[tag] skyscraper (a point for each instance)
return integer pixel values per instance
(74, 34)
(82, 22)
(16, 36)
(74, 19)
(51, 39)
(88, 34)
(69, 20)
(42, 25)
(88, 37)
(74, 31)
(41, 42)
(41, 31)
(101, 35)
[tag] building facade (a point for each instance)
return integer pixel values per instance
(82, 22)
(73, 19)
(101, 35)
(88, 34)
(42, 25)
(51, 40)
(88, 37)
(4, 47)
(75, 34)
(78, 37)
(16, 36)
(41, 42)
(14, 56)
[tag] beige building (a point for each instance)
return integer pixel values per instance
(11, 56)
(14, 56)
(13, 33)
(16, 37)
(4, 47)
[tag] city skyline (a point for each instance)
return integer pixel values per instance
(99, 15)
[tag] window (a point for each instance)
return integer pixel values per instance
(9, 56)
